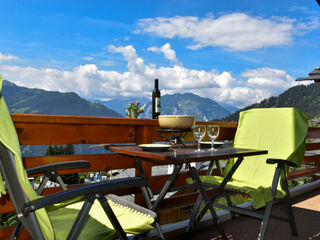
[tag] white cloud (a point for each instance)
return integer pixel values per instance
(268, 78)
(236, 31)
(135, 64)
(90, 82)
(107, 63)
(305, 27)
(303, 9)
(8, 57)
(88, 58)
(167, 51)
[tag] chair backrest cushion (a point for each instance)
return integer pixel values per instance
(281, 131)
(9, 138)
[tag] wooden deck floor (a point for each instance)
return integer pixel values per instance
(307, 215)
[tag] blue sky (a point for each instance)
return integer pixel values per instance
(233, 51)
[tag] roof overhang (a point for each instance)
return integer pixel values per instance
(313, 76)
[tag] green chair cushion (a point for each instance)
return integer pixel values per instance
(98, 226)
(260, 195)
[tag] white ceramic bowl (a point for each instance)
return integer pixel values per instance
(176, 121)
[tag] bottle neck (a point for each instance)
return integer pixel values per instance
(156, 83)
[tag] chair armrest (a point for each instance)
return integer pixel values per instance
(58, 166)
(281, 162)
(82, 191)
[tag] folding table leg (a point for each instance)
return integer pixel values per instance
(195, 177)
(149, 205)
(219, 189)
(143, 175)
(148, 194)
(227, 196)
(194, 212)
(167, 185)
(198, 201)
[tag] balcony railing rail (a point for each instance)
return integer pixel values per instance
(59, 130)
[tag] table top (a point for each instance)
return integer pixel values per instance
(185, 154)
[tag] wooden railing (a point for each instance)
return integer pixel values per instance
(56, 130)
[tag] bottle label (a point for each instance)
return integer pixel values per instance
(157, 105)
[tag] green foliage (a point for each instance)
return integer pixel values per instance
(59, 150)
(64, 150)
(8, 219)
(69, 149)
(135, 106)
(299, 181)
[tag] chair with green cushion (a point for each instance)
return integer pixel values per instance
(95, 217)
(280, 131)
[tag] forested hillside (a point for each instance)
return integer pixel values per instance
(306, 98)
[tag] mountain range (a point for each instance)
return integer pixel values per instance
(38, 101)
(183, 104)
(303, 97)
(204, 109)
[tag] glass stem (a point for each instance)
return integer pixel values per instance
(198, 145)
(212, 143)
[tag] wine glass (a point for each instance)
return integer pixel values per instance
(213, 132)
(199, 131)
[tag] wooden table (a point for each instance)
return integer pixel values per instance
(185, 155)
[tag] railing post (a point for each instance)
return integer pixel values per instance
(144, 135)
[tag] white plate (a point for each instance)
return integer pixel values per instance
(155, 147)
(208, 144)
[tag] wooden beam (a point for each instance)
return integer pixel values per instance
(50, 133)
(312, 146)
(98, 162)
(313, 132)
(311, 159)
(58, 119)
(303, 173)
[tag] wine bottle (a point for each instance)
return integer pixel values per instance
(156, 106)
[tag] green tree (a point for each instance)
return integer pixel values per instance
(49, 151)
(69, 149)
(61, 150)
(64, 150)
(55, 150)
